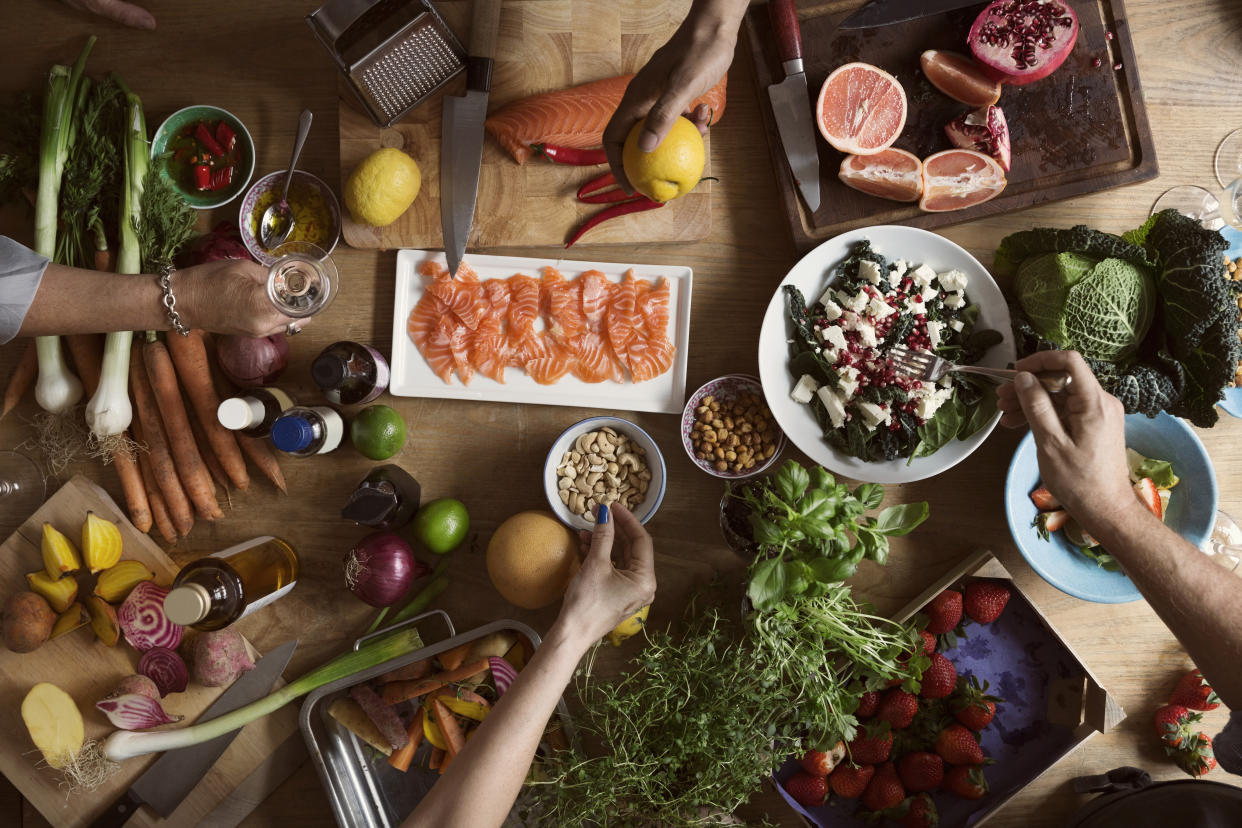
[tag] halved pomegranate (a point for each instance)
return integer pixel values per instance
(960, 78)
(1021, 41)
(984, 130)
(893, 174)
(958, 178)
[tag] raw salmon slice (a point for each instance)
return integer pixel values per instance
(595, 294)
(573, 117)
(654, 307)
(424, 317)
(438, 350)
(596, 361)
(648, 359)
(622, 314)
(489, 350)
(549, 369)
(463, 298)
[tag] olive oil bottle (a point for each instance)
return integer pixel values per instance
(213, 592)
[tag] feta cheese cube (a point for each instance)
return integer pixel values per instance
(878, 308)
(912, 307)
(833, 404)
(896, 270)
(850, 320)
(848, 384)
(954, 300)
(874, 414)
(956, 324)
(832, 310)
(804, 389)
(952, 280)
(843, 298)
(869, 271)
(834, 337)
(927, 406)
(923, 275)
(866, 335)
(858, 302)
(929, 293)
(933, 332)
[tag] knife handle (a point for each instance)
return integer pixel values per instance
(484, 28)
(787, 31)
(118, 812)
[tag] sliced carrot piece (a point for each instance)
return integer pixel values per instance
(452, 659)
(400, 759)
(414, 670)
(448, 727)
(437, 758)
(432, 731)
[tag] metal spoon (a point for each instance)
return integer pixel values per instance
(277, 221)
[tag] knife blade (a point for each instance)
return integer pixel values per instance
(171, 778)
(886, 12)
(461, 134)
(791, 105)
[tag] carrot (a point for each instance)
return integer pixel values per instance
(262, 456)
(189, 354)
(437, 758)
(159, 512)
(401, 758)
(415, 670)
(135, 491)
(152, 427)
(209, 456)
(399, 691)
(449, 727)
(190, 468)
(444, 762)
(452, 659)
(23, 377)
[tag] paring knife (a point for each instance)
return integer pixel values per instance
(886, 12)
(167, 782)
(461, 134)
(791, 105)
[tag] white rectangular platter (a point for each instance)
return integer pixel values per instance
(413, 377)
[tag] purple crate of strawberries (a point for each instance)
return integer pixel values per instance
(1023, 662)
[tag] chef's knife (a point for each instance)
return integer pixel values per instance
(886, 12)
(167, 782)
(791, 105)
(461, 134)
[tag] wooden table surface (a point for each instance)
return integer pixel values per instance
(260, 61)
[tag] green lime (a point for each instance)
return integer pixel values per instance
(378, 432)
(441, 525)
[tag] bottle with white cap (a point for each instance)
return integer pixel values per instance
(253, 412)
(213, 592)
(305, 431)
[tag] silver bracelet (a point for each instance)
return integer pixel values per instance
(170, 301)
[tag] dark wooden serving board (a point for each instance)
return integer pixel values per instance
(1080, 130)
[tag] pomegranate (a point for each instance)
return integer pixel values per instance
(959, 77)
(984, 130)
(1021, 41)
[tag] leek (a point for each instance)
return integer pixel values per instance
(125, 745)
(57, 389)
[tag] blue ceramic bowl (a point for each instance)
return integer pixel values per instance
(1192, 508)
(1232, 404)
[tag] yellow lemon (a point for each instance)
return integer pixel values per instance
(671, 169)
(382, 187)
(628, 627)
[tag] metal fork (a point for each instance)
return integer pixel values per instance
(929, 368)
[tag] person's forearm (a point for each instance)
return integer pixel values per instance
(1199, 601)
(72, 300)
(479, 787)
(723, 16)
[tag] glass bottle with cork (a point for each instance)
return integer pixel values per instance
(387, 498)
(305, 431)
(349, 373)
(253, 412)
(213, 592)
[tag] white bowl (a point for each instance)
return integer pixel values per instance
(809, 276)
(644, 511)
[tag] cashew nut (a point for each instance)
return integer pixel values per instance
(602, 467)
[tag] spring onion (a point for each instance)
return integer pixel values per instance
(125, 745)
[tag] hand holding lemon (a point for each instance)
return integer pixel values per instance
(672, 169)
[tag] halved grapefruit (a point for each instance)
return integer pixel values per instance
(861, 109)
(892, 173)
(958, 178)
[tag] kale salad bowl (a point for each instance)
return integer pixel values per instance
(823, 353)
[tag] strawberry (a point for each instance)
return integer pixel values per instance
(1194, 692)
(944, 612)
(897, 707)
(1174, 723)
(959, 746)
(921, 813)
(1149, 496)
(920, 771)
(939, 678)
(872, 745)
(1044, 501)
(971, 705)
(1046, 523)
(807, 790)
(884, 791)
(868, 703)
(966, 781)
(1195, 756)
(929, 642)
(985, 600)
(819, 763)
(849, 781)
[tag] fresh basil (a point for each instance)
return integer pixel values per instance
(901, 520)
(979, 416)
(939, 430)
(768, 583)
(870, 494)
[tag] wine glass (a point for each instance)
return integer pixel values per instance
(1228, 160)
(1193, 201)
(1224, 546)
(303, 279)
(22, 489)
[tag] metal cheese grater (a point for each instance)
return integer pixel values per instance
(394, 53)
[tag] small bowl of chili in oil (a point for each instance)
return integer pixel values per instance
(316, 212)
(206, 153)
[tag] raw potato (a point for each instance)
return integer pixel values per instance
(217, 658)
(103, 620)
(54, 723)
(349, 713)
(28, 622)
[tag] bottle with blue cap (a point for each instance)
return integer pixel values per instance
(304, 431)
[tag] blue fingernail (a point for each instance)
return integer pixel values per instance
(601, 515)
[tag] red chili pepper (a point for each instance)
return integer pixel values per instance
(637, 205)
(203, 136)
(221, 177)
(225, 136)
(202, 177)
(571, 155)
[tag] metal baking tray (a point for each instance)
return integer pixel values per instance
(365, 792)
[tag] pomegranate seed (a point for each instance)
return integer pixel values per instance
(1116, 67)
(1108, 35)
(1096, 63)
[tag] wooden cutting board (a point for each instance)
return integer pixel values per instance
(544, 45)
(87, 671)
(1080, 130)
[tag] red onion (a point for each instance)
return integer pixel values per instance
(223, 242)
(503, 674)
(380, 569)
(134, 711)
(164, 667)
(252, 361)
(143, 621)
(141, 685)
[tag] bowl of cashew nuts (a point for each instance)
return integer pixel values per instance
(603, 460)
